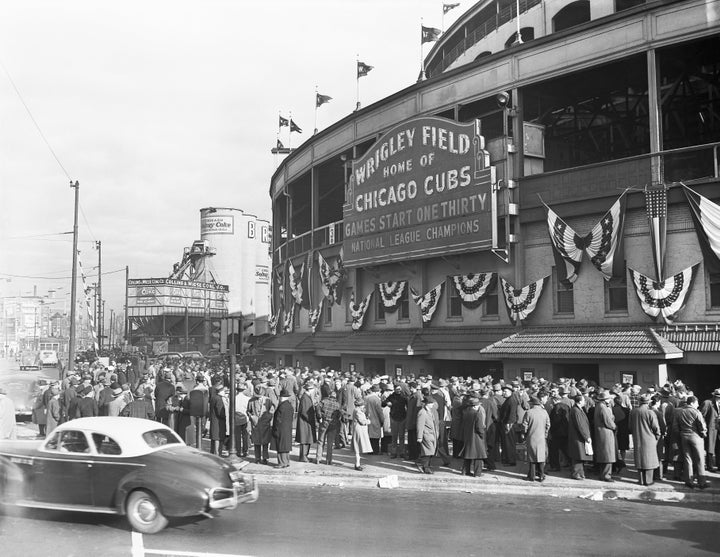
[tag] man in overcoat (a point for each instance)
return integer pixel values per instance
(306, 428)
(710, 410)
(218, 418)
(579, 437)
(645, 430)
(374, 413)
(260, 414)
(536, 424)
(427, 431)
(473, 436)
(605, 446)
(282, 429)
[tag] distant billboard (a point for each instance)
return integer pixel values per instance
(425, 188)
(173, 293)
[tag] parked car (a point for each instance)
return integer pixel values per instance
(48, 358)
(127, 466)
(23, 389)
(29, 360)
(193, 354)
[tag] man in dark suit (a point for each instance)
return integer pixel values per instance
(282, 429)
(163, 391)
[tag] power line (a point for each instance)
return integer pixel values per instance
(60, 278)
(37, 127)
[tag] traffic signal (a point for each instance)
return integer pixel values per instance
(247, 336)
(215, 334)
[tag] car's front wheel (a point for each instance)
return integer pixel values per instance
(144, 513)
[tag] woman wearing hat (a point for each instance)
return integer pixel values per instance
(361, 437)
(645, 430)
(604, 426)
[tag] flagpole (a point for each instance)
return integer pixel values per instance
(290, 131)
(316, 107)
(357, 82)
(422, 66)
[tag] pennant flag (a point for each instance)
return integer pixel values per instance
(294, 127)
(428, 302)
(363, 69)
(521, 303)
(706, 216)
(667, 297)
(429, 34)
(321, 99)
(357, 311)
(448, 7)
(305, 282)
(88, 303)
(280, 145)
(315, 315)
(330, 279)
(289, 322)
(391, 293)
(603, 244)
(283, 122)
(273, 322)
(295, 282)
(656, 203)
(472, 287)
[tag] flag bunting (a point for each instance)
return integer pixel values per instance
(666, 297)
(330, 278)
(603, 244)
(706, 216)
(357, 311)
(473, 287)
(289, 321)
(315, 315)
(428, 302)
(391, 293)
(656, 203)
(521, 303)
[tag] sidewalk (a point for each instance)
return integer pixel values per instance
(504, 479)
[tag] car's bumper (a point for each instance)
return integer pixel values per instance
(245, 491)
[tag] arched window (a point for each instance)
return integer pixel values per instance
(483, 55)
(571, 15)
(526, 34)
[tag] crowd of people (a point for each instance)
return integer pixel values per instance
(427, 420)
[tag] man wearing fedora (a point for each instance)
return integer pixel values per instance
(473, 436)
(605, 447)
(692, 429)
(645, 431)
(710, 410)
(282, 429)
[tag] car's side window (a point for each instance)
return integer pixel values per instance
(52, 442)
(105, 444)
(73, 442)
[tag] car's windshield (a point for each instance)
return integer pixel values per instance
(159, 437)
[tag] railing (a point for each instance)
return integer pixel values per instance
(327, 235)
(506, 15)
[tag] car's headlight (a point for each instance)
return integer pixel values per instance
(236, 475)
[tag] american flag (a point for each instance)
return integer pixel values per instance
(656, 203)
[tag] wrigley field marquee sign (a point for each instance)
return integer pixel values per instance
(425, 188)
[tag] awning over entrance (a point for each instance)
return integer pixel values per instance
(640, 343)
(701, 337)
(470, 339)
(285, 343)
(397, 341)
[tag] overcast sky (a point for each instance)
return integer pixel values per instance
(160, 108)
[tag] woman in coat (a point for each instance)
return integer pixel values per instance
(306, 427)
(260, 414)
(473, 437)
(218, 419)
(579, 437)
(282, 429)
(645, 431)
(428, 430)
(604, 426)
(360, 438)
(536, 424)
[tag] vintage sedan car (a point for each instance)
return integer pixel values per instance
(127, 466)
(23, 389)
(30, 360)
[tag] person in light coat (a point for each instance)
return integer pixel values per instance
(360, 438)
(536, 425)
(8, 425)
(427, 428)
(645, 431)
(374, 413)
(605, 446)
(260, 413)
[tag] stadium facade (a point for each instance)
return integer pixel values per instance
(525, 209)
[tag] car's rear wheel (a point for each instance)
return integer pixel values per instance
(144, 513)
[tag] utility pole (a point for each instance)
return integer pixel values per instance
(73, 288)
(101, 307)
(127, 277)
(112, 324)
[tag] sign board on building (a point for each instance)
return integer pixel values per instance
(217, 225)
(628, 378)
(424, 188)
(144, 294)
